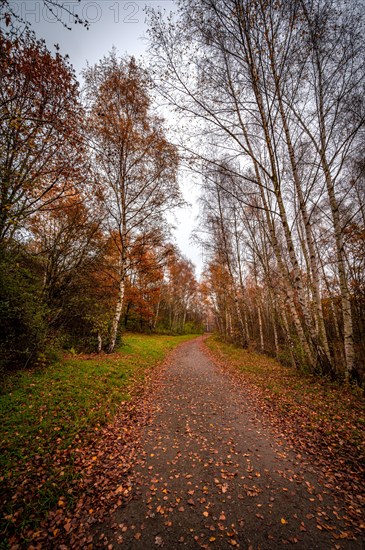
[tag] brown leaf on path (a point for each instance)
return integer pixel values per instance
(67, 526)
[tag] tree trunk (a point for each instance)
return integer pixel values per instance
(276, 342)
(100, 343)
(348, 335)
(320, 338)
(117, 314)
(157, 312)
(270, 143)
(287, 287)
(262, 347)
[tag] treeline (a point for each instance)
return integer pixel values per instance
(274, 94)
(86, 181)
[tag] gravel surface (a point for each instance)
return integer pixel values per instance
(213, 474)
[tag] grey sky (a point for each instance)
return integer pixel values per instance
(119, 23)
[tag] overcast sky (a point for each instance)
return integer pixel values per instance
(119, 23)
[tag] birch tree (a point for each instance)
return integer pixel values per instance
(134, 163)
(277, 87)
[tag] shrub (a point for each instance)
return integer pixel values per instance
(23, 316)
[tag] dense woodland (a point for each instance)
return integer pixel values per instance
(269, 104)
(274, 91)
(86, 181)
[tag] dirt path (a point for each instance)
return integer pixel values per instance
(213, 476)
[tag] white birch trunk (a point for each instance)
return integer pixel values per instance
(314, 271)
(276, 342)
(345, 294)
(260, 328)
(117, 315)
(100, 343)
(338, 232)
(157, 312)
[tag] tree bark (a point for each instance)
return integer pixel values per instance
(117, 314)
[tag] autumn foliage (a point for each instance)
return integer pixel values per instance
(84, 191)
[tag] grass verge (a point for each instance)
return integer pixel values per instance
(49, 411)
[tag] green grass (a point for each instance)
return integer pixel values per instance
(49, 410)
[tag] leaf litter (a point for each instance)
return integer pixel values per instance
(160, 475)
